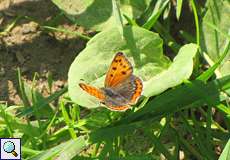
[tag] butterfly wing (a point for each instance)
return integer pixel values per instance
(118, 108)
(93, 91)
(130, 89)
(98, 93)
(119, 70)
(137, 92)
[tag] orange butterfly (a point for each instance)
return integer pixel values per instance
(122, 88)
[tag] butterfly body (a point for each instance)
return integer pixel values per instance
(122, 88)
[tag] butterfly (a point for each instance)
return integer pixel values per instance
(121, 88)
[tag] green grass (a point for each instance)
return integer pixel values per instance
(180, 119)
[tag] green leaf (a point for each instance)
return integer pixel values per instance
(96, 120)
(36, 99)
(66, 150)
(83, 12)
(14, 123)
(159, 8)
(67, 120)
(66, 31)
(43, 103)
(143, 48)
(21, 89)
(226, 152)
(208, 73)
(180, 70)
(213, 40)
(178, 8)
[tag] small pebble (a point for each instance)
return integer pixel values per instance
(29, 28)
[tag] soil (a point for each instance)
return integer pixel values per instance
(32, 49)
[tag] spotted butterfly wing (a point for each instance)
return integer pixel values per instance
(124, 94)
(120, 78)
(119, 70)
(130, 89)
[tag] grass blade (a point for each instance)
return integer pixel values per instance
(21, 89)
(159, 146)
(159, 8)
(130, 21)
(187, 145)
(169, 40)
(63, 30)
(68, 121)
(207, 74)
(5, 118)
(10, 26)
(66, 150)
(178, 8)
(196, 22)
(187, 36)
(48, 100)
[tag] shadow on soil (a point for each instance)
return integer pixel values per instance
(32, 50)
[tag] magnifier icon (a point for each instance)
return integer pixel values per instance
(9, 147)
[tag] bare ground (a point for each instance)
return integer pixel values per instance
(31, 49)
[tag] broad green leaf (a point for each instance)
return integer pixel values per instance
(66, 150)
(226, 152)
(144, 50)
(212, 41)
(142, 47)
(180, 70)
(97, 14)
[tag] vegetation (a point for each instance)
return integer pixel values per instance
(181, 51)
